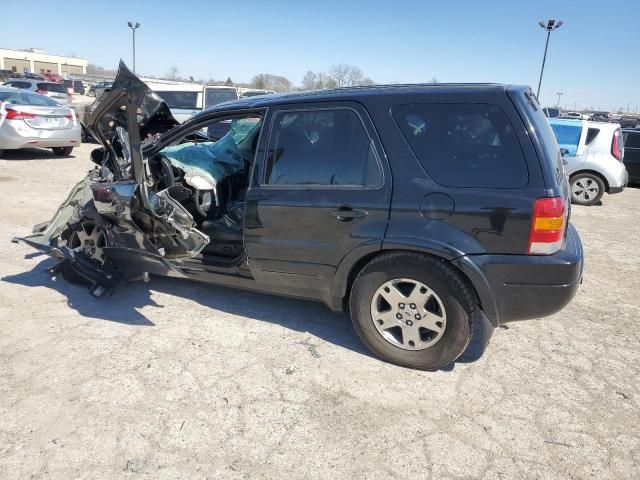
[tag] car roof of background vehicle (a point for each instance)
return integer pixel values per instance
(4, 88)
(355, 93)
(567, 121)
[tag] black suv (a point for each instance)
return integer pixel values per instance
(419, 209)
(632, 154)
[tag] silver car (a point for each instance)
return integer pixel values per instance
(32, 120)
(593, 153)
(56, 91)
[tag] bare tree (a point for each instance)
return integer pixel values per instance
(345, 75)
(172, 72)
(326, 81)
(434, 80)
(339, 74)
(268, 81)
(354, 76)
(310, 81)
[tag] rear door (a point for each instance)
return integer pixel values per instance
(320, 191)
(632, 155)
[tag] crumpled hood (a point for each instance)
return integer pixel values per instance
(109, 110)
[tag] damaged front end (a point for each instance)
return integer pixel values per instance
(113, 226)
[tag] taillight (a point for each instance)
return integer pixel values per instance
(616, 145)
(40, 91)
(17, 115)
(547, 226)
(71, 116)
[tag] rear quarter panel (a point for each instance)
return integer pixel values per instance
(481, 220)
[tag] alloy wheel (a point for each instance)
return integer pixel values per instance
(585, 189)
(408, 314)
(89, 240)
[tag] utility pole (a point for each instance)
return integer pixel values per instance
(550, 26)
(134, 26)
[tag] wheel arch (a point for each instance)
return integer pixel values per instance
(463, 266)
(595, 173)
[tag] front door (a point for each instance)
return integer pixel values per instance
(321, 190)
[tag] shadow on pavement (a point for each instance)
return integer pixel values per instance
(28, 154)
(294, 314)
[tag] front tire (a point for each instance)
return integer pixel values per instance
(62, 151)
(586, 189)
(413, 310)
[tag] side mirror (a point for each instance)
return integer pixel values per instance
(564, 152)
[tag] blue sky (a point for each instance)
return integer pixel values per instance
(593, 58)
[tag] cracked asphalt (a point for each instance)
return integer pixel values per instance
(172, 379)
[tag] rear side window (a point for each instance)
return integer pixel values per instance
(52, 87)
(180, 99)
(464, 145)
(568, 136)
(321, 148)
(592, 133)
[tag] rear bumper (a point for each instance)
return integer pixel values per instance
(23, 136)
(518, 287)
(623, 183)
(616, 174)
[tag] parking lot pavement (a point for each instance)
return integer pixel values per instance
(172, 379)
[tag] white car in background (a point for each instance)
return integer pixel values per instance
(32, 120)
(187, 99)
(593, 153)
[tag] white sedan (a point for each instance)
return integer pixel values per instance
(32, 120)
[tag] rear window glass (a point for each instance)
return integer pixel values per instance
(180, 99)
(568, 136)
(23, 98)
(52, 87)
(214, 96)
(464, 145)
(11, 97)
(632, 140)
(42, 100)
(18, 84)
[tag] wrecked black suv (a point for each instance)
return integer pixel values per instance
(419, 209)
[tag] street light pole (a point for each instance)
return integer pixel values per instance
(550, 26)
(559, 95)
(133, 26)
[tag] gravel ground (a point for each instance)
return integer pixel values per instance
(173, 379)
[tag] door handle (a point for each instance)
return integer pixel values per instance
(346, 213)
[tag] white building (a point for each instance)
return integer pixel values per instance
(38, 61)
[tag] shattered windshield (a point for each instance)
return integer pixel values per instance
(205, 164)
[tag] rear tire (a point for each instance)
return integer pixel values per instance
(586, 189)
(445, 302)
(62, 151)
